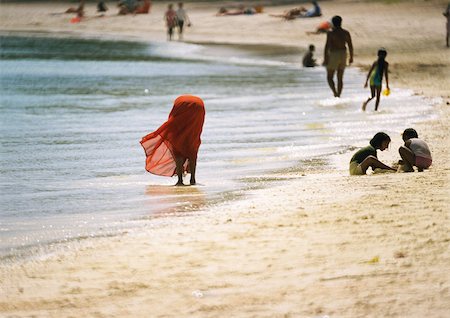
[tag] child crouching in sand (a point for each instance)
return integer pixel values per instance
(367, 157)
(414, 152)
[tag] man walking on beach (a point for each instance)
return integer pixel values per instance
(335, 54)
(182, 17)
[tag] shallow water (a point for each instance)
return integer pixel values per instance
(74, 111)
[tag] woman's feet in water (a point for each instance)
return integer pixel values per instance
(180, 183)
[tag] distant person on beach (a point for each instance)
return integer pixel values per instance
(291, 14)
(335, 54)
(447, 15)
(323, 27)
(143, 7)
(171, 21)
(127, 6)
(78, 10)
(376, 72)
(242, 10)
(414, 152)
(367, 157)
(182, 18)
(172, 149)
(101, 7)
(308, 59)
(314, 12)
(300, 12)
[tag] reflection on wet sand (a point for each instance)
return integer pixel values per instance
(176, 200)
(169, 200)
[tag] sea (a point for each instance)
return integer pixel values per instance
(74, 110)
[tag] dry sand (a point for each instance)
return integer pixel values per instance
(322, 244)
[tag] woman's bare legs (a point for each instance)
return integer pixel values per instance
(179, 161)
(179, 169)
(192, 167)
(373, 162)
(408, 158)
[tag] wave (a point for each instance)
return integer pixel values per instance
(65, 49)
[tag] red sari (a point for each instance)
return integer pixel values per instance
(178, 137)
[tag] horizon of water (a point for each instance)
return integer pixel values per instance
(74, 111)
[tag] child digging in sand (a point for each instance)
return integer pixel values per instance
(367, 157)
(379, 67)
(414, 152)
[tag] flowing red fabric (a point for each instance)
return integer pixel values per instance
(179, 136)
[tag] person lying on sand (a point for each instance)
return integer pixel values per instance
(143, 7)
(126, 7)
(241, 10)
(291, 14)
(367, 157)
(314, 12)
(79, 10)
(300, 12)
(323, 27)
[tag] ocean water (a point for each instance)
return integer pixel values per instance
(73, 112)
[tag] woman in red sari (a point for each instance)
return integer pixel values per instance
(173, 147)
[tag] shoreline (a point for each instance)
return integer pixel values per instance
(249, 183)
(406, 68)
(322, 244)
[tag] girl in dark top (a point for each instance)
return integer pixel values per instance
(367, 157)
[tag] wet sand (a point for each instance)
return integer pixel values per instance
(321, 244)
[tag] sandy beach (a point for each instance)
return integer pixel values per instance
(323, 244)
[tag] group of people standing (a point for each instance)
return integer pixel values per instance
(176, 19)
(335, 61)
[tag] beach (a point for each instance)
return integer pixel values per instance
(318, 244)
